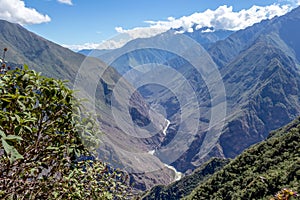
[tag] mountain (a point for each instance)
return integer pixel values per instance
(173, 87)
(258, 173)
(95, 82)
(262, 79)
(252, 75)
(94, 52)
(207, 36)
(169, 101)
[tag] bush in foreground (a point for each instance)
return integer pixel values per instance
(42, 137)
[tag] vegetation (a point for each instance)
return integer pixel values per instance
(259, 172)
(44, 138)
(188, 183)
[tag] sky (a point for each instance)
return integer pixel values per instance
(83, 24)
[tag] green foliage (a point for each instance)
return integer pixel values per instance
(259, 172)
(188, 183)
(285, 194)
(44, 137)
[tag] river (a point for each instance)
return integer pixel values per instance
(178, 175)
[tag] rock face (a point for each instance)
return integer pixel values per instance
(262, 81)
(259, 69)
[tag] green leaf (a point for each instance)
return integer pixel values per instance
(2, 134)
(70, 175)
(28, 128)
(26, 67)
(18, 118)
(55, 194)
(13, 138)
(25, 77)
(52, 148)
(7, 100)
(11, 151)
(23, 107)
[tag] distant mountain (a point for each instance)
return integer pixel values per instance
(259, 67)
(94, 52)
(207, 36)
(258, 173)
(96, 82)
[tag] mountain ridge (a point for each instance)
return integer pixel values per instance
(260, 72)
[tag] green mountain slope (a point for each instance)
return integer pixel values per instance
(39, 53)
(188, 183)
(260, 171)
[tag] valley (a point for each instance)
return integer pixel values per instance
(198, 113)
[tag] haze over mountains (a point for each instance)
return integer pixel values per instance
(247, 81)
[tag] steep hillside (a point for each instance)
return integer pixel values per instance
(259, 70)
(174, 74)
(39, 53)
(260, 171)
(282, 31)
(262, 84)
(188, 183)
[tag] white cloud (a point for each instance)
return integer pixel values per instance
(108, 44)
(142, 32)
(69, 2)
(77, 47)
(224, 17)
(16, 11)
(117, 41)
(294, 3)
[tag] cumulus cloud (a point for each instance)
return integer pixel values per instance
(69, 2)
(294, 3)
(142, 32)
(224, 17)
(16, 11)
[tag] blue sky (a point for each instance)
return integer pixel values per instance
(79, 22)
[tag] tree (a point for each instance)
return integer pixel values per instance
(44, 138)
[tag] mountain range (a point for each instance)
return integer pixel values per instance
(259, 68)
(177, 100)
